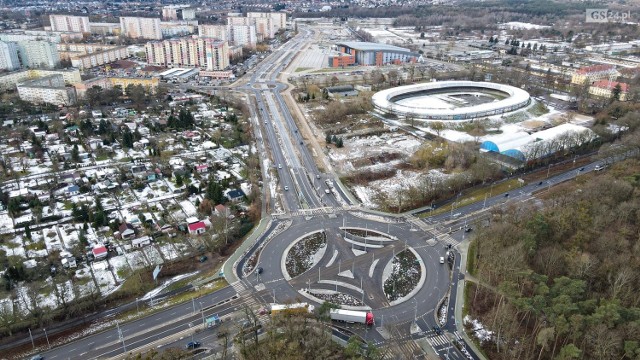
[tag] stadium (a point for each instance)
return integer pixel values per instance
(450, 100)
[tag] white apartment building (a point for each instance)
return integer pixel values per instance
(241, 35)
(178, 12)
(140, 28)
(49, 89)
(104, 28)
(9, 81)
(9, 56)
(279, 19)
(70, 23)
(38, 54)
(204, 53)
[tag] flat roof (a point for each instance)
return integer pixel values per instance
(369, 46)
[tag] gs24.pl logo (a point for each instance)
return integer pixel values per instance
(606, 15)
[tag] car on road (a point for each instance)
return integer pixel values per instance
(506, 195)
(441, 259)
(286, 188)
(437, 330)
(279, 166)
(468, 230)
(37, 357)
(540, 183)
(600, 167)
(260, 270)
(193, 345)
(581, 169)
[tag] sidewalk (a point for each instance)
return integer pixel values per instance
(463, 248)
(227, 267)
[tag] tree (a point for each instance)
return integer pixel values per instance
(75, 154)
(179, 181)
(94, 95)
(127, 139)
(137, 94)
(616, 92)
(334, 80)
(27, 232)
(327, 138)
(339, 142)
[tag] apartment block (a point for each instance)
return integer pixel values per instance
(279, 19)
(9, 56)
(70, 23)
(99, 58)
(38, 54)
(140, 28)
(9, 81)
(204, 53)
(177, 28)
(242, 35)
(49, 89)
(105, 28)
(178, 12)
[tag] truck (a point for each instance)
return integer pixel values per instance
(297, 308)
(352, 316)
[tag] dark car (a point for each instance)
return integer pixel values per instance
(540, 183)
(260, 270)
(506, 195)
(37, 357)
(193, 345)
(581, 169)
(437, 330)
(203, 258)
(468, 230)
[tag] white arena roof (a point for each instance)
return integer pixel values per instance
(383, 101)
(369, 46)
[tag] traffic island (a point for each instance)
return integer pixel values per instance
(402, 275)
(305, 253)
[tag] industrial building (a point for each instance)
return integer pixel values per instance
(368, 54)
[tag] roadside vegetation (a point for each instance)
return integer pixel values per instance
(560, 280)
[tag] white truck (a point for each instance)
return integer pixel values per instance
(351, 316)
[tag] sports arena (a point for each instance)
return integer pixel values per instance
(450, 100)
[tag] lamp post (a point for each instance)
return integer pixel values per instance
(47, 337)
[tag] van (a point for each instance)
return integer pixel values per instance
(600, 167)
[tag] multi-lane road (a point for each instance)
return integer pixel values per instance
(305, 207)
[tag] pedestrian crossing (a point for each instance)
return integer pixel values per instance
(439, 340)
(444, 237)
(312, 212)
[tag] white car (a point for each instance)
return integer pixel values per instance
(286, 188)
(441, 259)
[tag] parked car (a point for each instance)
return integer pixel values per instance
(203, 258)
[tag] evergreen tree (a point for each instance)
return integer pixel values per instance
(339, 142)
(127, 139)
(75, 154)
(27, 232)
(179, 182)
(327, 138)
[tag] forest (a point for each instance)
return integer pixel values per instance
(559, 278)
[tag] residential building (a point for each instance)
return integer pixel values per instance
(204, 53)
(218, 32)
(100, 252)
(182, 28)
(26, 35)
(590, 74)
(279, 19)
(605, 88)
(241, 35)
(9, 81)
(85, 56)
(38, 54)
(105, 28)
(70, 23)
(49, 89)
(366, 53)
(151, 84)
(265, 27)
(178, 12)
(9, 56)
(197, 228)
(140, 28)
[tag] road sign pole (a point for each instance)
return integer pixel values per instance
(31, 336)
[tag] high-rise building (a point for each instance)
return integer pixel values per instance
(178, 12)
(38, 54)
(9, 56)
(241, 35)
(205, 53)
(140, 28)
(70, 23)
(279, 19)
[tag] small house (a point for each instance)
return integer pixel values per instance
(126, 231)
(73, 190)
(99, 252)
(197, 228)
(141, 242)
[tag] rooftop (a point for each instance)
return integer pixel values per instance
(369, 46)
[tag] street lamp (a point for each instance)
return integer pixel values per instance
(47, 337)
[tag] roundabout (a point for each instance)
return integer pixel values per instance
(450, 100)
(382, 265)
